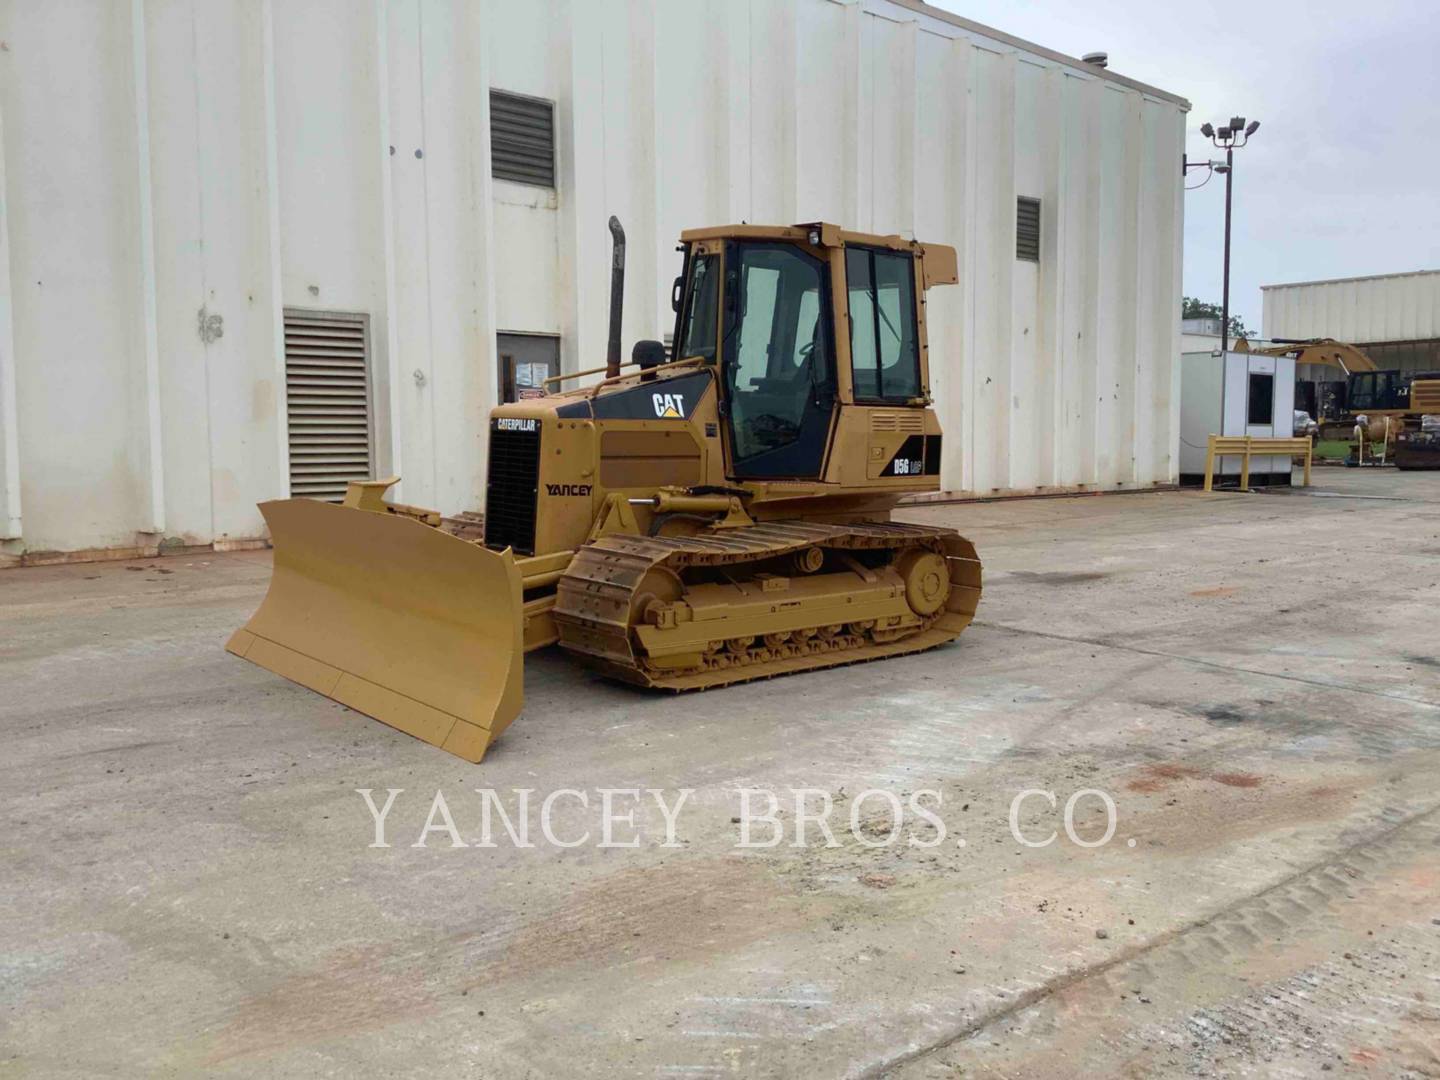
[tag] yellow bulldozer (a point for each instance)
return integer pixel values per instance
(717, 517)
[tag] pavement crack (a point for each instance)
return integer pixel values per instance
(1214, 664)
(1079, 975)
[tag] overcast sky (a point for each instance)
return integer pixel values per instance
(1343, 177)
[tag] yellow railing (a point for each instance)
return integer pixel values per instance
(1248, 446)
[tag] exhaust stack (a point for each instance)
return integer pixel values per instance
(617, 297)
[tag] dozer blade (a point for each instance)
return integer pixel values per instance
(395, 619)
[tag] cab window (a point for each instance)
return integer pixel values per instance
(884, 333)
(699, 326)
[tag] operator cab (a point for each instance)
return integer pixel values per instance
(763, 305)
(1370, 391)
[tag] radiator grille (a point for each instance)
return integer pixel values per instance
(511, 489)
(522, 139)
(327, 400)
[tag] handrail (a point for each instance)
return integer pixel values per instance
(580, 374)
(669, 365)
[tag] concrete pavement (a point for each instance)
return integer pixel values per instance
(1253, 681)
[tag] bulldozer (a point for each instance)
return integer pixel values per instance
(700, 516)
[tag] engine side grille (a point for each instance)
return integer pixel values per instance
(1425, 395)
(909, 421)
(513, 485)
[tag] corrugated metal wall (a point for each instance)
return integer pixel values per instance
(1395, 307)
(174, 168)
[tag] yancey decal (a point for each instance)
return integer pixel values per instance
(669, 406)
(568, 489)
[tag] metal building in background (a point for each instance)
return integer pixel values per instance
(249, 246)
(1395, 318)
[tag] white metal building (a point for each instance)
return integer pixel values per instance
(1393, 317)
(217, 213)
(1199, 335)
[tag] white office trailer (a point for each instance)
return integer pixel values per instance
(252, 248)
(1235, 394)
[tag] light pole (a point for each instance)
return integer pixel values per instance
(1228, 138)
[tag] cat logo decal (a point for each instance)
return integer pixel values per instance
(669, 406)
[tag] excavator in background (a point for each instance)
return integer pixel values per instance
(717, 517)
(1329, 406)
(1348, 358)
(1378, 401)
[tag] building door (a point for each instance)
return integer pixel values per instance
(526, 361)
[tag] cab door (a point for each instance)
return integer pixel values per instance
(778, 367)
